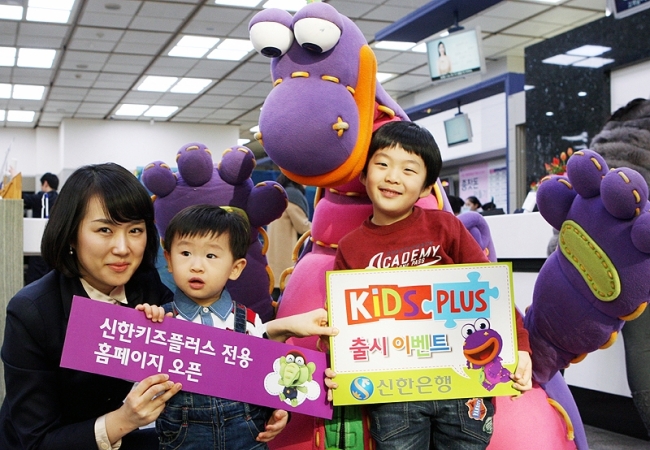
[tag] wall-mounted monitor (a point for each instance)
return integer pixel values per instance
(455, 55)
(458, 130)
(625, 8)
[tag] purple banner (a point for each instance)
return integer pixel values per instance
(122, 343)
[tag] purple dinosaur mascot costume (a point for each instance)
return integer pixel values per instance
(198, 181)
(316, 125)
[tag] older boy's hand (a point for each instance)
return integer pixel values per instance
(330, 383)
(523, 376)
(276, 423)
(153, 312)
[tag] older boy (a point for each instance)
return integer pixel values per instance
(403, 164)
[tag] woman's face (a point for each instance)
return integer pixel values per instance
(108, 253)
(441, 49)
(471, 206)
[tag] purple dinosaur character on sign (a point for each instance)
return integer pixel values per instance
(481, 349)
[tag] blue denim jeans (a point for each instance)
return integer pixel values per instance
(437, 424)
(193, 421)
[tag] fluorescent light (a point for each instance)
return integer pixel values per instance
(35, 57)
(383, 76)
(232, 50)
(160, 111)
(528, 87)
(254, 129)
(2, 115)
(420, 48)
(549, 113)
(243, 141)
(10, 12)
(287, 5)
(552, 2)
(14, 115)
(193, 46)
(582, 94)
(5, 90)
(7, 56)
(53, 11)
(28, 92)
(47, 15)
(562, 60)
(593, 63)
(190, 85)
(394, 45)
(131, 110)
(589, 50)
(242, 3)
(156, 84)
(444, 33)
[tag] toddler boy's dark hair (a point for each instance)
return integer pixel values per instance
(414, 139)
(209, 220)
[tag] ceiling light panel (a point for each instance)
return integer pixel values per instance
(241, 3)
(156, 84)
(563, 60)
(287, 5)
(20, 116)
(394, 45)
(160, 111)
(232, 50)
(589, 50)
(11, 12)
(7, 56)
(593, 63)
(35, 57)
(190, 85)
(28, 92)
(131, 110)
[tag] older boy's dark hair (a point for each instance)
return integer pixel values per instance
(52, 180)
(412, 138)
(210, 220)
(124, 199)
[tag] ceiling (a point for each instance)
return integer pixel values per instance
(109, 45)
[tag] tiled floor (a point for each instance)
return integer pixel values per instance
(600, 439)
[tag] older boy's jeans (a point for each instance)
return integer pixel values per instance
(439, 424)
(194, 421)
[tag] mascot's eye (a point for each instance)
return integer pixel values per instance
(316, 35)
(300, 360)
(467, 329)
(290, 359)
(482, 324)
(271, 39)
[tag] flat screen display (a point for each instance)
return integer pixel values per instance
(455, 55)
(458, 130)
(625, 8)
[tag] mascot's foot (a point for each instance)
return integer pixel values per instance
(529, 422)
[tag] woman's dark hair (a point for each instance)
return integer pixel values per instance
(124, 200)
(285, 181)
(213, 221)
(412, 138)
(472, 199)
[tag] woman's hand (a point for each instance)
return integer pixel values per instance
(523, 376)
(276, 423)
(142, 406)
(153, 312)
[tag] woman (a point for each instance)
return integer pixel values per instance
(444, 63)
(284, 232)
(473, 204)
(101, 242)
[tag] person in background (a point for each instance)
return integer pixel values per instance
(456, 204)
(205, 246)
(285, 231)
(472, 204)
(102, 243)
(40, 205)
(402, 166)
(624, 141)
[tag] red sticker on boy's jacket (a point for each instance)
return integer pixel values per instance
(476, 409)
